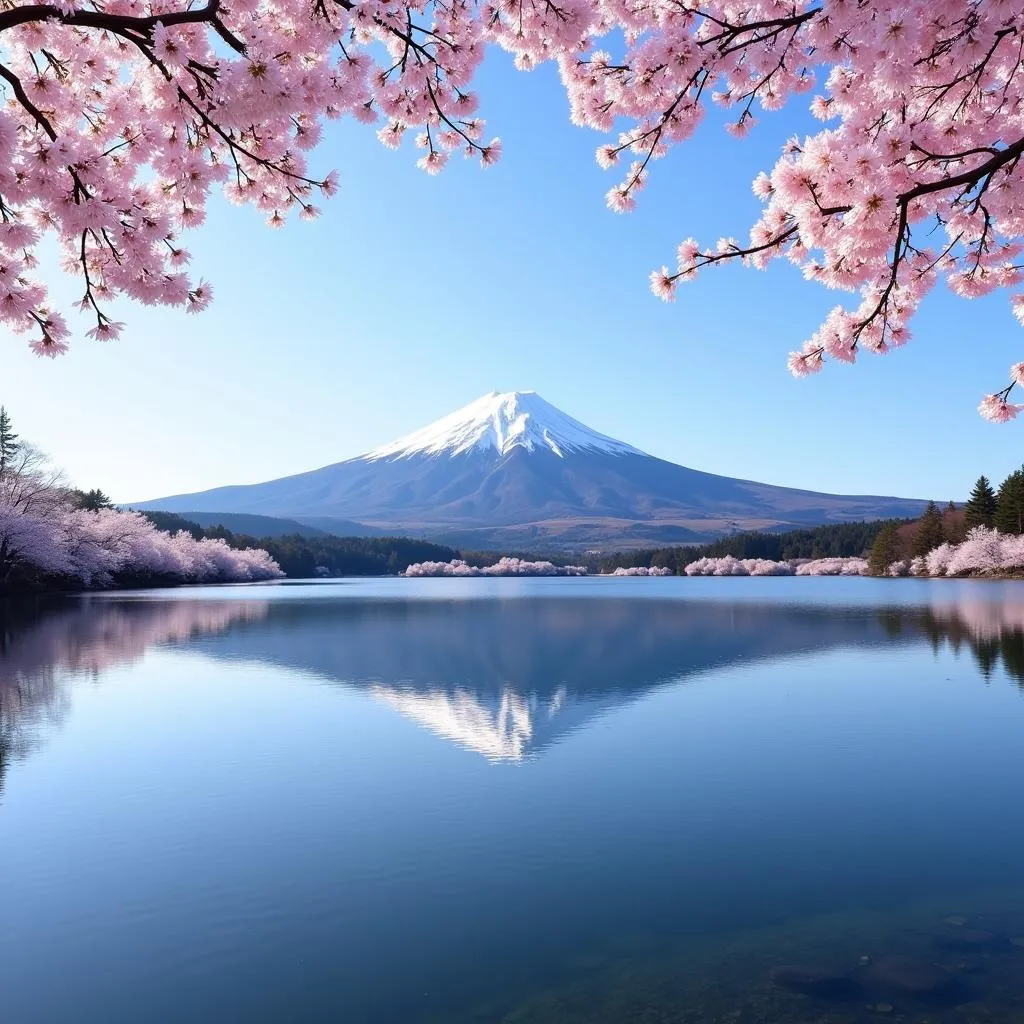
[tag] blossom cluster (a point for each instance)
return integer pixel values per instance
(730, 566)
(984, 552)
(98, 549)
(833, 567)
(503, 567)
(124, 115)
(641, 570)
(914, 179)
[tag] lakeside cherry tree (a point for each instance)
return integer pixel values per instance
(123, 115)
(48, 538)
(505, 566)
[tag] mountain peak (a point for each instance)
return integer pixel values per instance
(503, 421)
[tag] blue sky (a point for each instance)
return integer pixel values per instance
(414, 295)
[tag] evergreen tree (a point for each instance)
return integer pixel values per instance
(953, 526)
(980, 509)
(8, 440)
(884, 551)
(92, 501)
(930, 533)
(1009, 516)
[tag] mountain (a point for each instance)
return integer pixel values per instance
(250, 525)
(510, 470)
(271, 526)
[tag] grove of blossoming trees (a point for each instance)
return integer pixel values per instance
(730, 566)
(46, 539)
(503, 567)
(641, 570)
(111, 548)
(123, 115)
(985, 552)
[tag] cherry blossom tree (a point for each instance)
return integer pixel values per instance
(45, 536)
(123, 115)
(503, 567)
(641, 570)
(730, 566)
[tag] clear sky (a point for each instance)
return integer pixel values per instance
(414, 295)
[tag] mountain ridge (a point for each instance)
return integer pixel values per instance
(513, 468)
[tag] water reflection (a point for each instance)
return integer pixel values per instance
(46, 644)
(245, 827)
(994, 633)
(503, 677)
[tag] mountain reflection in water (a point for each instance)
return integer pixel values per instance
(505, 677)
(519, 801)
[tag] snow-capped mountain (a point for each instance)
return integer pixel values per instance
(510, 470)
(500, 423)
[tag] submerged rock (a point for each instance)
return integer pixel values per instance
(970, 938)
(904, 976)
(816, 981)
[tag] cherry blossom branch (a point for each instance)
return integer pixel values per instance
(122, 24)
(19, 91)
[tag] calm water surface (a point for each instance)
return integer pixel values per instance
(561, 801)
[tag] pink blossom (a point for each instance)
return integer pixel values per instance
(741, 128)
(687, 253)
(491, 153)
(200, 297)
(803, 363)
(997, 409)
(330, 185)
(108, 330)
(391, 136)
(620, 200)
(663, 284)
(122, 152)
(433, 162)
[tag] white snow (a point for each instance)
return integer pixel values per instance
(503, 421)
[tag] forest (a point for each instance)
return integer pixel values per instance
(837, 540)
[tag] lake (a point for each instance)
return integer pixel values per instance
(568, 801)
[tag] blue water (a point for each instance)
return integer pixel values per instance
(564, 801)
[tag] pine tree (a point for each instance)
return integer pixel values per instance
(930, 533)
(92, 501)
(1009, 516)
(8, 441)
(884, 551)
(953, 527)
(980, 509)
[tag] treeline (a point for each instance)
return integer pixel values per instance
(306, 557)
(1001, 510)
(838, 540)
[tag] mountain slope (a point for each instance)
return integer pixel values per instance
(511, 468)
